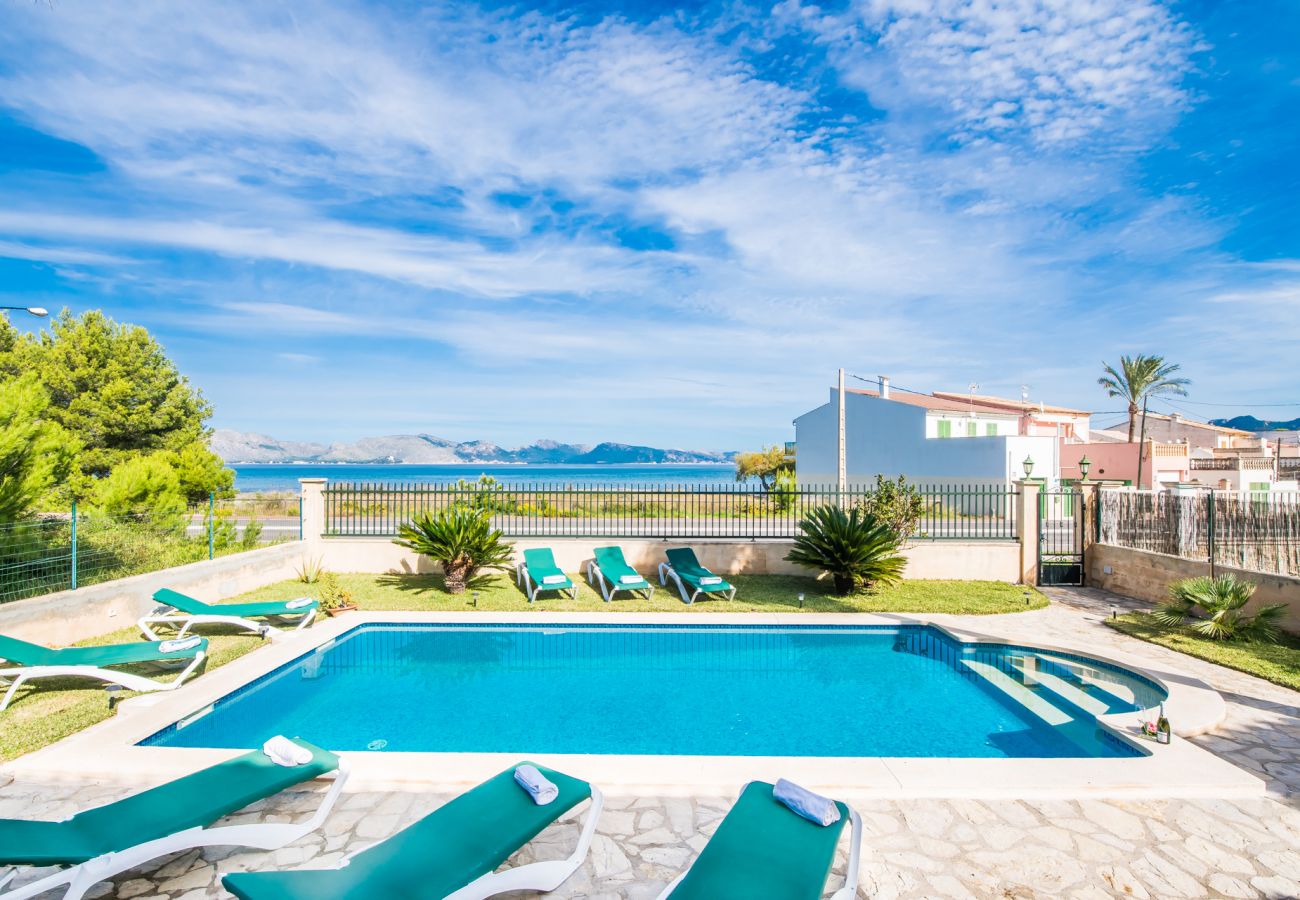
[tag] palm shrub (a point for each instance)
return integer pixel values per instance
(462, 540)
(1214, 607)
(855, 547)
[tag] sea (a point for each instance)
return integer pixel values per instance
(279, 477)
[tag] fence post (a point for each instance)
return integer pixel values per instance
(74, 545)
(1088, 521)
(212, 523)
(313, 511)
(1209, 529)
(1027, 530)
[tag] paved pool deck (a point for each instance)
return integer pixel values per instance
(1004, 848)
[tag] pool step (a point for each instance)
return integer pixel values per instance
(1033, 701)
(1070, 693)
(1097, 680)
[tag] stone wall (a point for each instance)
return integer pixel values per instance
(1147, 576)
(67, 616)
(962, 560)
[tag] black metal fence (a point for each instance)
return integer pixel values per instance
(1256, 531)
(950, 512)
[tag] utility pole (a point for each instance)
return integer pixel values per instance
(1142, 443)
(841, 463)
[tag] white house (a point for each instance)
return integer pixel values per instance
(933, 439)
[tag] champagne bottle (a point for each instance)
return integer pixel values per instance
(1163, 733)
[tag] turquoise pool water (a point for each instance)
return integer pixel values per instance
(669, 690)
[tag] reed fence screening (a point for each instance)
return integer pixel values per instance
(1256, 531)
(976, 512)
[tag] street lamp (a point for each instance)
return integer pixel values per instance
(1084, 465)
(38, 311)
(1028, 465)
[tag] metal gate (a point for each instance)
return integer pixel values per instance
(1060, 537)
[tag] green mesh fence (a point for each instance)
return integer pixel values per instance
(59, 551)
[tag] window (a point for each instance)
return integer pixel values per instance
(972, 428)
(991, 429)
(1259, 486)
(945, 428)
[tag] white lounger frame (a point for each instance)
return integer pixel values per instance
(596, 578)
(668, 570)
(850, 889)
(23, 674)
(533, 588)
(170, 615)
(261, 836)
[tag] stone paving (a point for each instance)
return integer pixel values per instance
(911, 849)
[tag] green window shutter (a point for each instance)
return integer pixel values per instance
(1259, 485)
(991, 429)
(945, 428)
(971, 429)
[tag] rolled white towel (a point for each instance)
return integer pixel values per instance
(177, 644)
(284, 752)
(630, 579)
(538, 786)
(710, 579)
(813, 807)
(299, 603)
(555, 579)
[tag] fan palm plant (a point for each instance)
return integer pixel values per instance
(855, 547)
(1138, 379)
(1214, 606)
(461, 540)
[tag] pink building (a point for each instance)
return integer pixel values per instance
(1162, 464)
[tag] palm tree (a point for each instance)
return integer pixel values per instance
(856, 548)
(462, 540)
(1140, 378)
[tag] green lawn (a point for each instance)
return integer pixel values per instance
(47, 710)
(1278, 663)
(755, 593)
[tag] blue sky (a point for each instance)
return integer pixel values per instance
(658, 223)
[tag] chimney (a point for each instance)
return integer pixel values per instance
(884, 387)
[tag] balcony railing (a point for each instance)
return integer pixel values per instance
(1233, 464)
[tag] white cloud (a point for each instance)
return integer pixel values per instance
(66, 255)
(463, 266)
(1060, 71)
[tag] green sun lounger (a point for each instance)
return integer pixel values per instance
(538, 572)
(100, 843)
(184, 612)
(451, 853)
(683, 568)
(32, 661)
(609, 571)
(763, 849)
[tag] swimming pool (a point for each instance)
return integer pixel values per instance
(711, 690)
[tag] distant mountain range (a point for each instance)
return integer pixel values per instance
(1250, 423)
(241, 447)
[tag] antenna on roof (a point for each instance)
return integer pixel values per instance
(1024, 393)
(973, 388)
